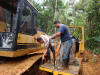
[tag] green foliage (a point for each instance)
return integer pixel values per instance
(93, 60)
(48, 13)
(79, 19)
(84, 13)
(93, 18)
(90, 18)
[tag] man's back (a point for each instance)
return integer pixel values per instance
(64, 33)
(45, 40)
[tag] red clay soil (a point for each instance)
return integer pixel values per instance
(91, 64)
(18, 66)
(34, 70)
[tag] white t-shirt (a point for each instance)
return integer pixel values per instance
(45, 40)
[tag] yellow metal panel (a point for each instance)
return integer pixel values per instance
(6, 53)
(79, 33)
(25, 51)
(19, 52)
(23, 38)
(62, 73)
(82, 38)
(2, 26)
(74, 26)
(28, 39)
(45, 69)
(55, 73)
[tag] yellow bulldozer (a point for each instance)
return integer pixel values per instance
(18, 20)
(18, 28)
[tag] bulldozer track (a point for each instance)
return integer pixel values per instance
(19, 65)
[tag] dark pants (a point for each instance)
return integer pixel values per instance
(48, 52)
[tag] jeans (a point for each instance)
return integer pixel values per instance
(65, 50)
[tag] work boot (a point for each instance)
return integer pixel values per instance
(75, 62)
(64, 65)
(49, 61)
(60, 67)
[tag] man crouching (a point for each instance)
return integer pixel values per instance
(49, 46)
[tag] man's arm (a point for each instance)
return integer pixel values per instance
(44, 54)
(56, 35)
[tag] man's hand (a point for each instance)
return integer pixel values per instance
(56, 35)
(43, 58)
(35, 38)
(44, 54)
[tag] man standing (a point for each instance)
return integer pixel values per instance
(65, 40)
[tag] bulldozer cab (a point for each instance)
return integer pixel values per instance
(16, 16)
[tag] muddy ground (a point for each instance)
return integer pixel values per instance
(17, 66)
(21, 66)
(90, 64)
